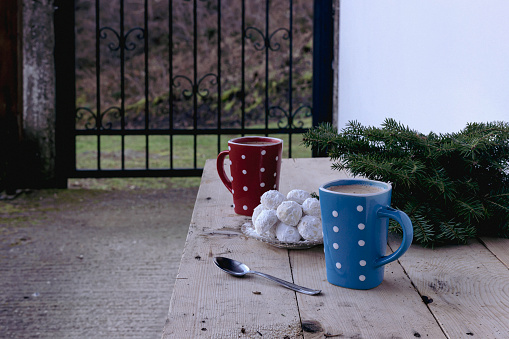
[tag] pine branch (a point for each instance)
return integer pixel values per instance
(456, 232)
(451, 185)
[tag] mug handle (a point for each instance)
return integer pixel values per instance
(408, 233)
(220, 170)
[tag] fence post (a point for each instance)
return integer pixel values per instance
(10, 96)
(323, 43)
(65, 90)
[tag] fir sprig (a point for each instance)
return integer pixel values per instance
(453, 186)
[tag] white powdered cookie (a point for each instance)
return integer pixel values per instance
(265, 220)
(256, 212)
(287, 233)
(271, 233)
(271, 199)
(311, 206)
(310, 228)
(289, 212)
(298, 196)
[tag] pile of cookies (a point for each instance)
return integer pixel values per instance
(289, 219)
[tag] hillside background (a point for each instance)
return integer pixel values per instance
(182, 38)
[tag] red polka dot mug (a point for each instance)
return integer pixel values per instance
(255, 165)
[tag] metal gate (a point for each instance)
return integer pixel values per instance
(153, 88)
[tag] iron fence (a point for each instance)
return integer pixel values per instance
(152, 88)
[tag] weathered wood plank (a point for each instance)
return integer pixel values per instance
(207, 302)
(382, 312)
(499, 247)
(392, 310)
(468, 284)
(469, 287)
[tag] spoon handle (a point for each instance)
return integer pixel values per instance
(288, 284)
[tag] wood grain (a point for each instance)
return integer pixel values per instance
(499, 247)
(453, 292)
(207, 302)
(468, 285)
(387, 311)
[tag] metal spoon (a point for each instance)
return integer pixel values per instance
(239, 269)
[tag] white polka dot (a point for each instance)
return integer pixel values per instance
(338, 265)
(361, 226)
(277, 158)
(361, 243)
(263, 152)
(335, 214)
(243, 156)
(244, 207)
(360, 208)
(362, 262)
(335, 245)
(244, 188)
(231, 162)
(275, 185)
(362, 278)
(262, 169)
(262, 184)
(275, 173)
(335, 229)
(244, 172)
(233, 191)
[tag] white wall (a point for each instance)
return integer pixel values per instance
(433, 65)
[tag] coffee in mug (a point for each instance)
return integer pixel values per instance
(257, 143)
(355, 189)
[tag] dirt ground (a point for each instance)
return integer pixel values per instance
(89, 263)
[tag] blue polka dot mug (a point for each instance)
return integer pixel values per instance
(355, 220)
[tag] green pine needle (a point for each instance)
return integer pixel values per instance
(453, 186)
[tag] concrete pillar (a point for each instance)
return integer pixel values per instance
(39, 113)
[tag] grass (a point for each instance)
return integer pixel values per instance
(162, 150)
(134, 183)
(159, 155)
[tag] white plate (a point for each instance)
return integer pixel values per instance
(249, 231)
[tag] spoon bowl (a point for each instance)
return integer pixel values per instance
(231, 266)
(238, 269)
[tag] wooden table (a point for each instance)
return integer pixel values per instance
(447, 292)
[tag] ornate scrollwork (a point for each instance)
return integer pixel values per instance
(115, 112)
(130, 46)
(267, 41)
(291, 118)
(195, 88)
(122, 42)
(187, 93)
(82, 112)
(97, 119)
(277, 46)
(203, 93)
(103, 34)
